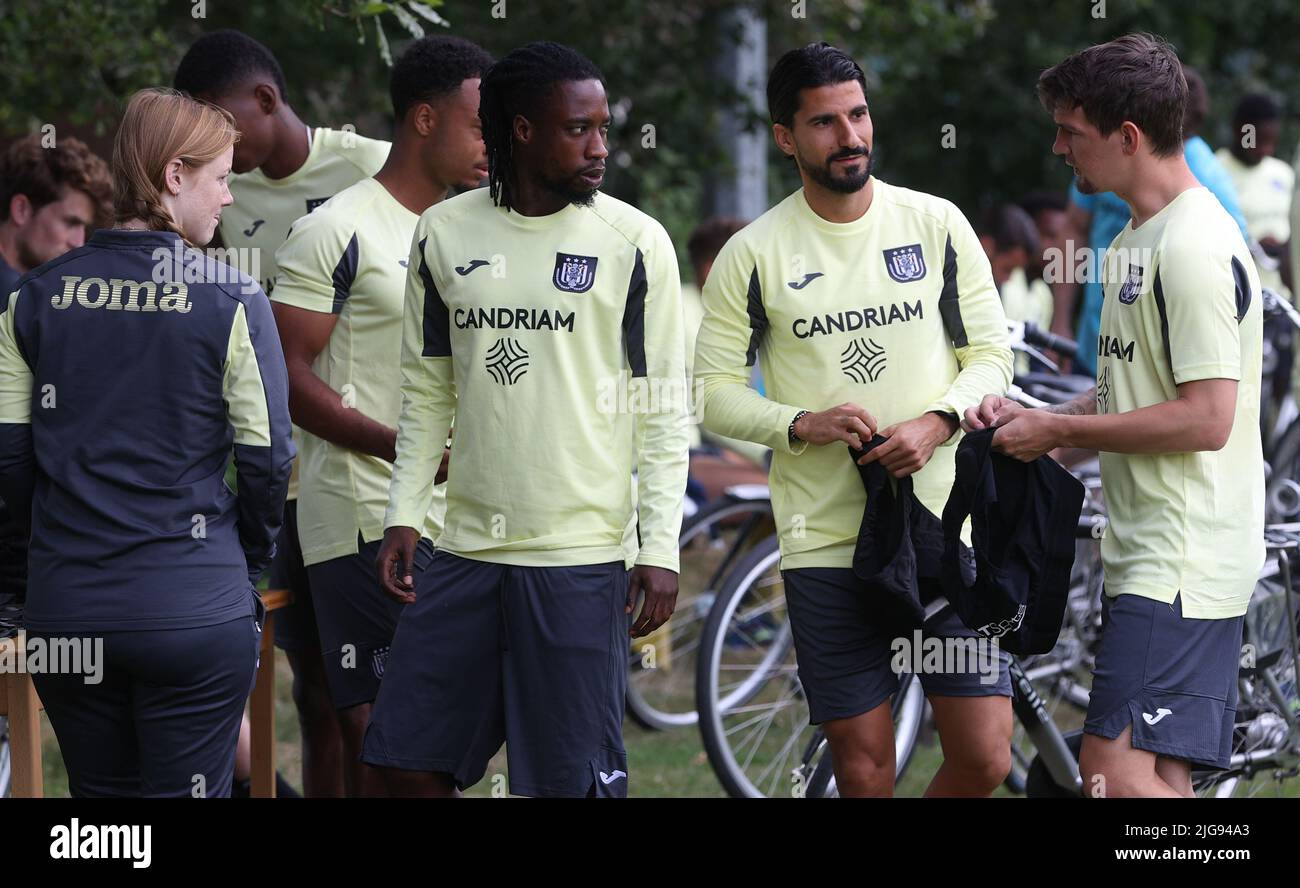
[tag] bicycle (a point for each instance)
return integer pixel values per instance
(1266, 736)
(661, 678)
(753, 717)
(753, 714)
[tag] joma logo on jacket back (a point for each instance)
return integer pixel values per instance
(117, 294)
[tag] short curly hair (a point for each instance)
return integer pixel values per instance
(433, 67)
(42, 174)
(219, 62)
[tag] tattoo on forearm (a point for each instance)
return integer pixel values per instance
(1080, 406)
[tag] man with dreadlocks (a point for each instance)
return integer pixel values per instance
(547, 318)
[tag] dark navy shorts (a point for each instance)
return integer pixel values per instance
(1173, 678)
(851, 653)
(164, 718)
(535, 657)
(295, 623)
(357, 620)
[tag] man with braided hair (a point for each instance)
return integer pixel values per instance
(540, 312)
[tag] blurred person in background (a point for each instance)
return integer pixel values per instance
(1264, 185)
(49, 199)
(1010, 240)
(717, 462)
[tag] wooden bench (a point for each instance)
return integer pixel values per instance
(19, 701)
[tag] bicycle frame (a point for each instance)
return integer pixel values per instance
(1047, 738)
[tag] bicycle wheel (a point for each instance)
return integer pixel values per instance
(1282, 491)
(1265, 754)
(909, 712)
(661, 677)
(752, 713)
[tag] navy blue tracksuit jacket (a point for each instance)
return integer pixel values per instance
(130, 369)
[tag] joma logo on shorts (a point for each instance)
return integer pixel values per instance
(120, 295)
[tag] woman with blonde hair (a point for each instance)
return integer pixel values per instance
(126, 379)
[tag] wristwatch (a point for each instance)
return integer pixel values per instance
(950, 418)
(795, 439)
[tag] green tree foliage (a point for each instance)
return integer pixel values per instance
(965, 64)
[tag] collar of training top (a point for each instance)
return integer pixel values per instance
(134, 237)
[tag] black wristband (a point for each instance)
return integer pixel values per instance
(794, 439)
(956, 422)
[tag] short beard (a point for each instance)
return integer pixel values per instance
(851, 184)
(27, 256)
(579, 197)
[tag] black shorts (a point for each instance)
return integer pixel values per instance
(851, 652)
(295, 624)
(163, 720)
(356, 620)
(1173, 678)
(535, 657)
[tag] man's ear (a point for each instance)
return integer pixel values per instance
(522, 129)
(784, 139)
(1130, 137)
(424, 117)
(20, 209)
(268, 98)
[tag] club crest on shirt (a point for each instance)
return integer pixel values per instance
(905, 263)
(574, 274)
(1132, 286)
(314, 202)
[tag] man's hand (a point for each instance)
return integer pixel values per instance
(394, 564)
(911, 444)
(1026, 434)
(990, 410)
(848, 423)
(660, 586)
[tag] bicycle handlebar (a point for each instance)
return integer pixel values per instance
(1036, 336)
(1276, 305)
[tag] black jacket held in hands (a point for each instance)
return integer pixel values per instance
(1023, 522)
